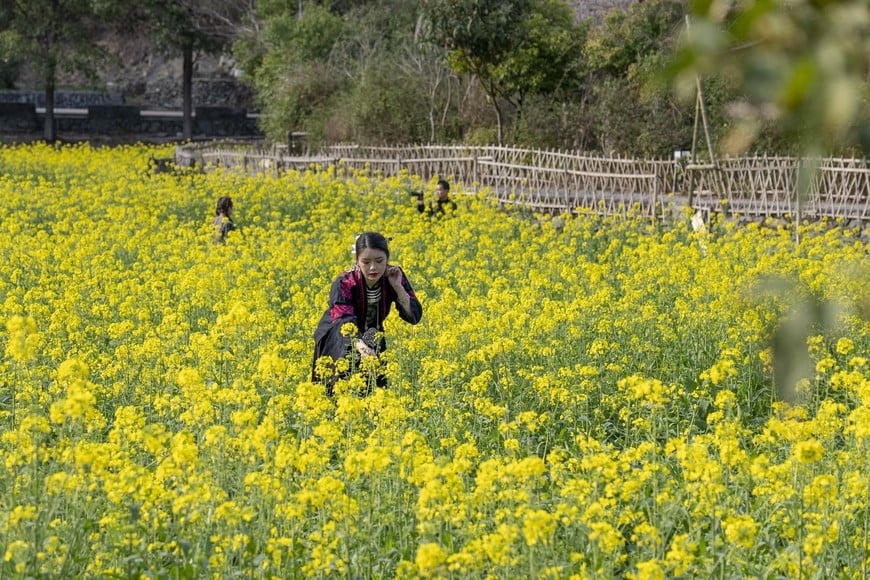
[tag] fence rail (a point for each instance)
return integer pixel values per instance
(559, 181)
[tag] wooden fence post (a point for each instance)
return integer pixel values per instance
(797, 193)
(691, 182)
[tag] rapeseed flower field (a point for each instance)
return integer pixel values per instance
(590, 400)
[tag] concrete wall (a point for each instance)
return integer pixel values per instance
(63, 99)
(18, 117)
(117, 120)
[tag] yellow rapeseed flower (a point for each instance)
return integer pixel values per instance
(23, 340)
(538, 527)
(740, 530)
(845, 346)
(430, 559)
(648, 570)
(808, 451)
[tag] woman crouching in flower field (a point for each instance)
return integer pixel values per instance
(360, 297)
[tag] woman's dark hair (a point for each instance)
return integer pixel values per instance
(224, 205)
(372, 240)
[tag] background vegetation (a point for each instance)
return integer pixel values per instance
(776, 77)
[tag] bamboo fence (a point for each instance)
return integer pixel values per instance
(564, 181)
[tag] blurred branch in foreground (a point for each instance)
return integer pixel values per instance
(801, 65)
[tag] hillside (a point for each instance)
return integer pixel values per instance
(151, 79)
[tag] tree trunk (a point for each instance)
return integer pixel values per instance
(187, 93)
(50, 128)
(492, 95)
(498, 119)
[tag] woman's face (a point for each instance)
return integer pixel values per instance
(372, 263)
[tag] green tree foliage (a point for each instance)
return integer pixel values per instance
(381, 113)
(421, 65)
(480, 35)
(377, 70)
(434, 70)
(628, 37)
(801, 65)
(361, 74)
(289, 65)
(548, 61)
(546, 79)
(52, 36)
(633, 112)
(398, 83)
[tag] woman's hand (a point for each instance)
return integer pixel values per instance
(394, 275)
(363, 349)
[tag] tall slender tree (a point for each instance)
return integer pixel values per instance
(52, 36)
(192, 26)
(479, 35)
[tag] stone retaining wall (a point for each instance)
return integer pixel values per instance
(18, 117)
(63, 99)
(22, 119)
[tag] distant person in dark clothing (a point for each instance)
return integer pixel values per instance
(223, 219)
(442, 205)
(360, 299)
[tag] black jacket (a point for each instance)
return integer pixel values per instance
(347, 304)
